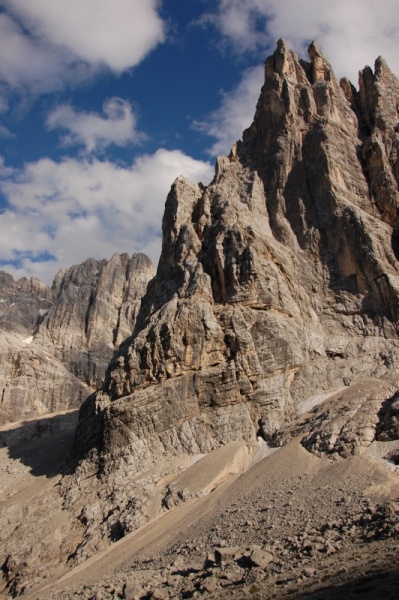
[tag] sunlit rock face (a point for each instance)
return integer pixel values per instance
(276, 282)
(277, 286)
(56, 343)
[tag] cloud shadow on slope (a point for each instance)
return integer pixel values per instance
(42, 444)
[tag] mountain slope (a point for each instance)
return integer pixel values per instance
(57, 342)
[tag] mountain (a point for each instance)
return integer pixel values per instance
(262, 367)
(55, 343)
(277, 284)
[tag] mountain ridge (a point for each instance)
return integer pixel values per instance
(330, 273)
(56, 342)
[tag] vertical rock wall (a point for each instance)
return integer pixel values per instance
(55, 344)
(277, 282)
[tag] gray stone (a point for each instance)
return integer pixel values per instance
(160, 594)
(261, 558)
(210, 584)
(55, 343)
(132, 591)
(227, 554)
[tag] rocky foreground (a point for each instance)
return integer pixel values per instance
(290, 524)
(245, 439)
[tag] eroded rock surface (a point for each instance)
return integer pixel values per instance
(23, 303)
(277, 282)
(349, 421)
(57, 342)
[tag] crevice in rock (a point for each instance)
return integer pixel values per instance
(387, 428)
(395, 241)
(116, 531)
(88, 312)
(260, 433)
(393, 457)
(115, 331)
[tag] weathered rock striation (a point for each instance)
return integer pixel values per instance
(57, 342)
(96, 307)
(23, 303)
(276, 283)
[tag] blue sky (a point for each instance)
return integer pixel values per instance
(103, 103)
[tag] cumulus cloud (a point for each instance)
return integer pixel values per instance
(118, 33)
(96, 132)
(71, 210)
(51, 43)
(351, 34)
(28, 63)
(235, 112)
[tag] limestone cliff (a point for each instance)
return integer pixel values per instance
(22, 303)
(96, 307)
(278, 285)
(277, 282)
(55, 343)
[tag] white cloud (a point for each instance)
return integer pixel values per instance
(235, 112)
(94, 132)
(5, 132)
(4, 170)
(72, 210)
(351, 33)
(118, 33)
(28, 63)
(238, 21)
(51, 43)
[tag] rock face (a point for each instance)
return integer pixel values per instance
(57, 342)
(22, 303)
(96, 307)
(277, 282)
(349, 421)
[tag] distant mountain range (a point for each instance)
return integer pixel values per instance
(55, 343)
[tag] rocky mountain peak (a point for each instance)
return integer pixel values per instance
(273, 281)
(378, 95)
